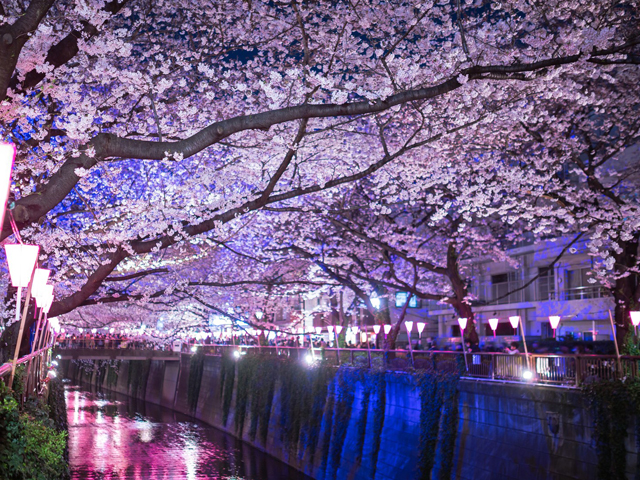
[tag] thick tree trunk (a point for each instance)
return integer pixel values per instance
(626, 290)
(462, 308)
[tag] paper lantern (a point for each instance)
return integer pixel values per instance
(514, 321)
(318, 330)
(409, 326)
(387, 329)
(338, 329)
(330, 328)
(554, 320)
(376, 329)
(421, 326)
(22, 260)
(40, 278)
(463, 323)
(45, 293)
(635, 318)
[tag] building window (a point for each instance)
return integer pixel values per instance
(401, 299)
(546, 284)
(577, 286)
(504, 283)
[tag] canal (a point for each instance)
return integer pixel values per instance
(116, 437)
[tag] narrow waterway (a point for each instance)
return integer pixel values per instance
(112, 436)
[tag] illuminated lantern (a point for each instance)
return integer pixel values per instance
(330, 329)
(46, 291)
(635, 318)
(463, 323)
(420, 326)
(387, 329)
(338, 329)
(554, 320)
(40, 278)
(514, 321)
(22, 260)
(409, 326)
(7, 155)
(376, 329)
(493, 323)
(318, 330)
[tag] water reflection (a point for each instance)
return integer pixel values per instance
(113, 436)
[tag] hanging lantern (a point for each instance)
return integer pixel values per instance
(47, 301)
(387, 329)
(40, 278)
(515, 321)
(409, 326)
(318, 330)
(330, 328)
(376, 329)
(421, 326)
(635, 318)
(22, 260)
(338, 329)
(46, 291)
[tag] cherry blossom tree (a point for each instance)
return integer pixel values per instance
(150, 132)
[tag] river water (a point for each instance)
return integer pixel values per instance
(112, 436)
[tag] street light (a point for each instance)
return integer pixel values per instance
(493, 323)
(7, 155)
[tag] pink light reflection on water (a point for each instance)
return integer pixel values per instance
(110, 439)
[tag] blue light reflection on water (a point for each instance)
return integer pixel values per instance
(115, 437)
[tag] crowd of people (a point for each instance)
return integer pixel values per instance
(120, 340)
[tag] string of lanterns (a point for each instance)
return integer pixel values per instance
(22, 261)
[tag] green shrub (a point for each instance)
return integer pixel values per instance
(30, 448)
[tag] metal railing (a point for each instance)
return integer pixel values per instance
(547, 369)
(5, 368)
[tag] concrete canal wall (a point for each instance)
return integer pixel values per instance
(384, 426)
